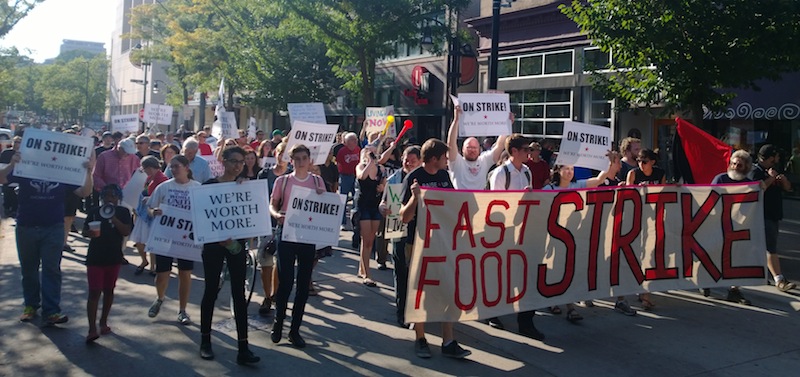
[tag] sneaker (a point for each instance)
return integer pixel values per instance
(624, 308)
(57, 318)
(706, 292)
(155, 308)
(422, 349)
(453, 350)
(734, 295)
(27, 314)
(784, 285)
(266, 307)
(588, 304)
(183, 318)
(496, 323)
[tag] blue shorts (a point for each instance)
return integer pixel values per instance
(369, 214)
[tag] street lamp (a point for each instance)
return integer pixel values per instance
(496, 5)
(155, 86)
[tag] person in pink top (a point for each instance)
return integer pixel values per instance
(346, 160)
(116, 165)
(288, 252)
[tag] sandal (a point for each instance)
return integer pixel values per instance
(369, 283)
(555, 310)
(91, 338)
(105, 330)
(573, 316)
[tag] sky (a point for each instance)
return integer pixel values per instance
(52, 21)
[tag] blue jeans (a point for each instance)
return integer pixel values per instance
(347, 185)
(41, 245)
(288, 253)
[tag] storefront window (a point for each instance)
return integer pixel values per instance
(541, 113)
(558, 63)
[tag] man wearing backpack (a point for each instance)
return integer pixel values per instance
(515, 175)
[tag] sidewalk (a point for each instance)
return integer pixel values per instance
(350, 331)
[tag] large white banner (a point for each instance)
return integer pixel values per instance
(584, 145)
(158, 114)
(313, 218)
(487, 253)
(484, 114)
(318, 138)
(127, 124)
(376, 119)
(394, 223)
(133, 189)
(172, 235)
(230, 210)
(313, 112)
(54, 156)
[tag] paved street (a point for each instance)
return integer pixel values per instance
(350, 331)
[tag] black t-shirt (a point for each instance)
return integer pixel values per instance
(622, 175)
(773, 195)
(653, 179)
(329, 174)
(101, 149)
(6, 155)
(106, 250)
(215, 246)
(439, 180)
(724, 178)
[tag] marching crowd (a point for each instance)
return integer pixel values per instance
(359, 166)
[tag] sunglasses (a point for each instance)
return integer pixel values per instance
(642, 160)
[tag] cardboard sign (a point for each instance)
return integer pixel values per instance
(482, 254)
(158, 114)
(133, 189)
(172, 235)
(585, 145)
(127, 124)
(54, 156)
(313, 218)
(225, 125)
(215, 165)
(268, 162)
(230, 210)
(484, 114)
(318, 138)
(395, 228)
(376, 118)
(313, 112)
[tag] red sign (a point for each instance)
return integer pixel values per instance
(420, 77)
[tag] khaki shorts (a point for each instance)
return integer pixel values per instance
(264, 258)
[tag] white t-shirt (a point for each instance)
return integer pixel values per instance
(518, 179)
(172, 194)
(471, 175)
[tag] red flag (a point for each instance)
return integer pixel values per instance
(706, 155)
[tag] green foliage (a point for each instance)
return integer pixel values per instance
(12, 11)
(74, 88)
(685, 54)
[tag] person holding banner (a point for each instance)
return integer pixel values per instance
(215, 256)
(411, 160)
(470, 168)
(141, 230)
(629, 148)
(371, 181)
(291, 252)
(174, 192)
(432, 173)
(104, 256)
(40, 238)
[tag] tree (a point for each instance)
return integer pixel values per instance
(359, 32)
(74, 89)
(13, 11)
(687, 54)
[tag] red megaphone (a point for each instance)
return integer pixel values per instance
(407, 125)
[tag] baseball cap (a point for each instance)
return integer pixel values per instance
(108, 133)
(128, 146)
(277, 132)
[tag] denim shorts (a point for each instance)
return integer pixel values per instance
(369, 214)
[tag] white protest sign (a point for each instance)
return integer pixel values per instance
(484, 114)
(376, 119)
(227, 121)
(230, 210)
(127, 124)
(318, 138)
(54, 156)
(158, 114)
(313, 218)
(132, 189)
(307, 112)
(268, 162)
(584, 145)
(215, 165)
(394, 222)
(251, 128)
(88, 132)
(171, 235)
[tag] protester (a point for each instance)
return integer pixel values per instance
(269, 279)
(470, 168)
(277, 137)
(141, 231)
(371, 181)
(346, 160)
(646, 174)
(9, 191)
(264, 150)
(258, 140)
(540, 169)
(773, 184)
(232, 254)
(289, 252)
(432, 173)
(116, 166)
(251, 168)
(40, 238)
(167, 153)
(411, 160)
(629, 148)
(104, 257)
(201, 172)
(143, 147)
(174, 192)
(202, 143)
